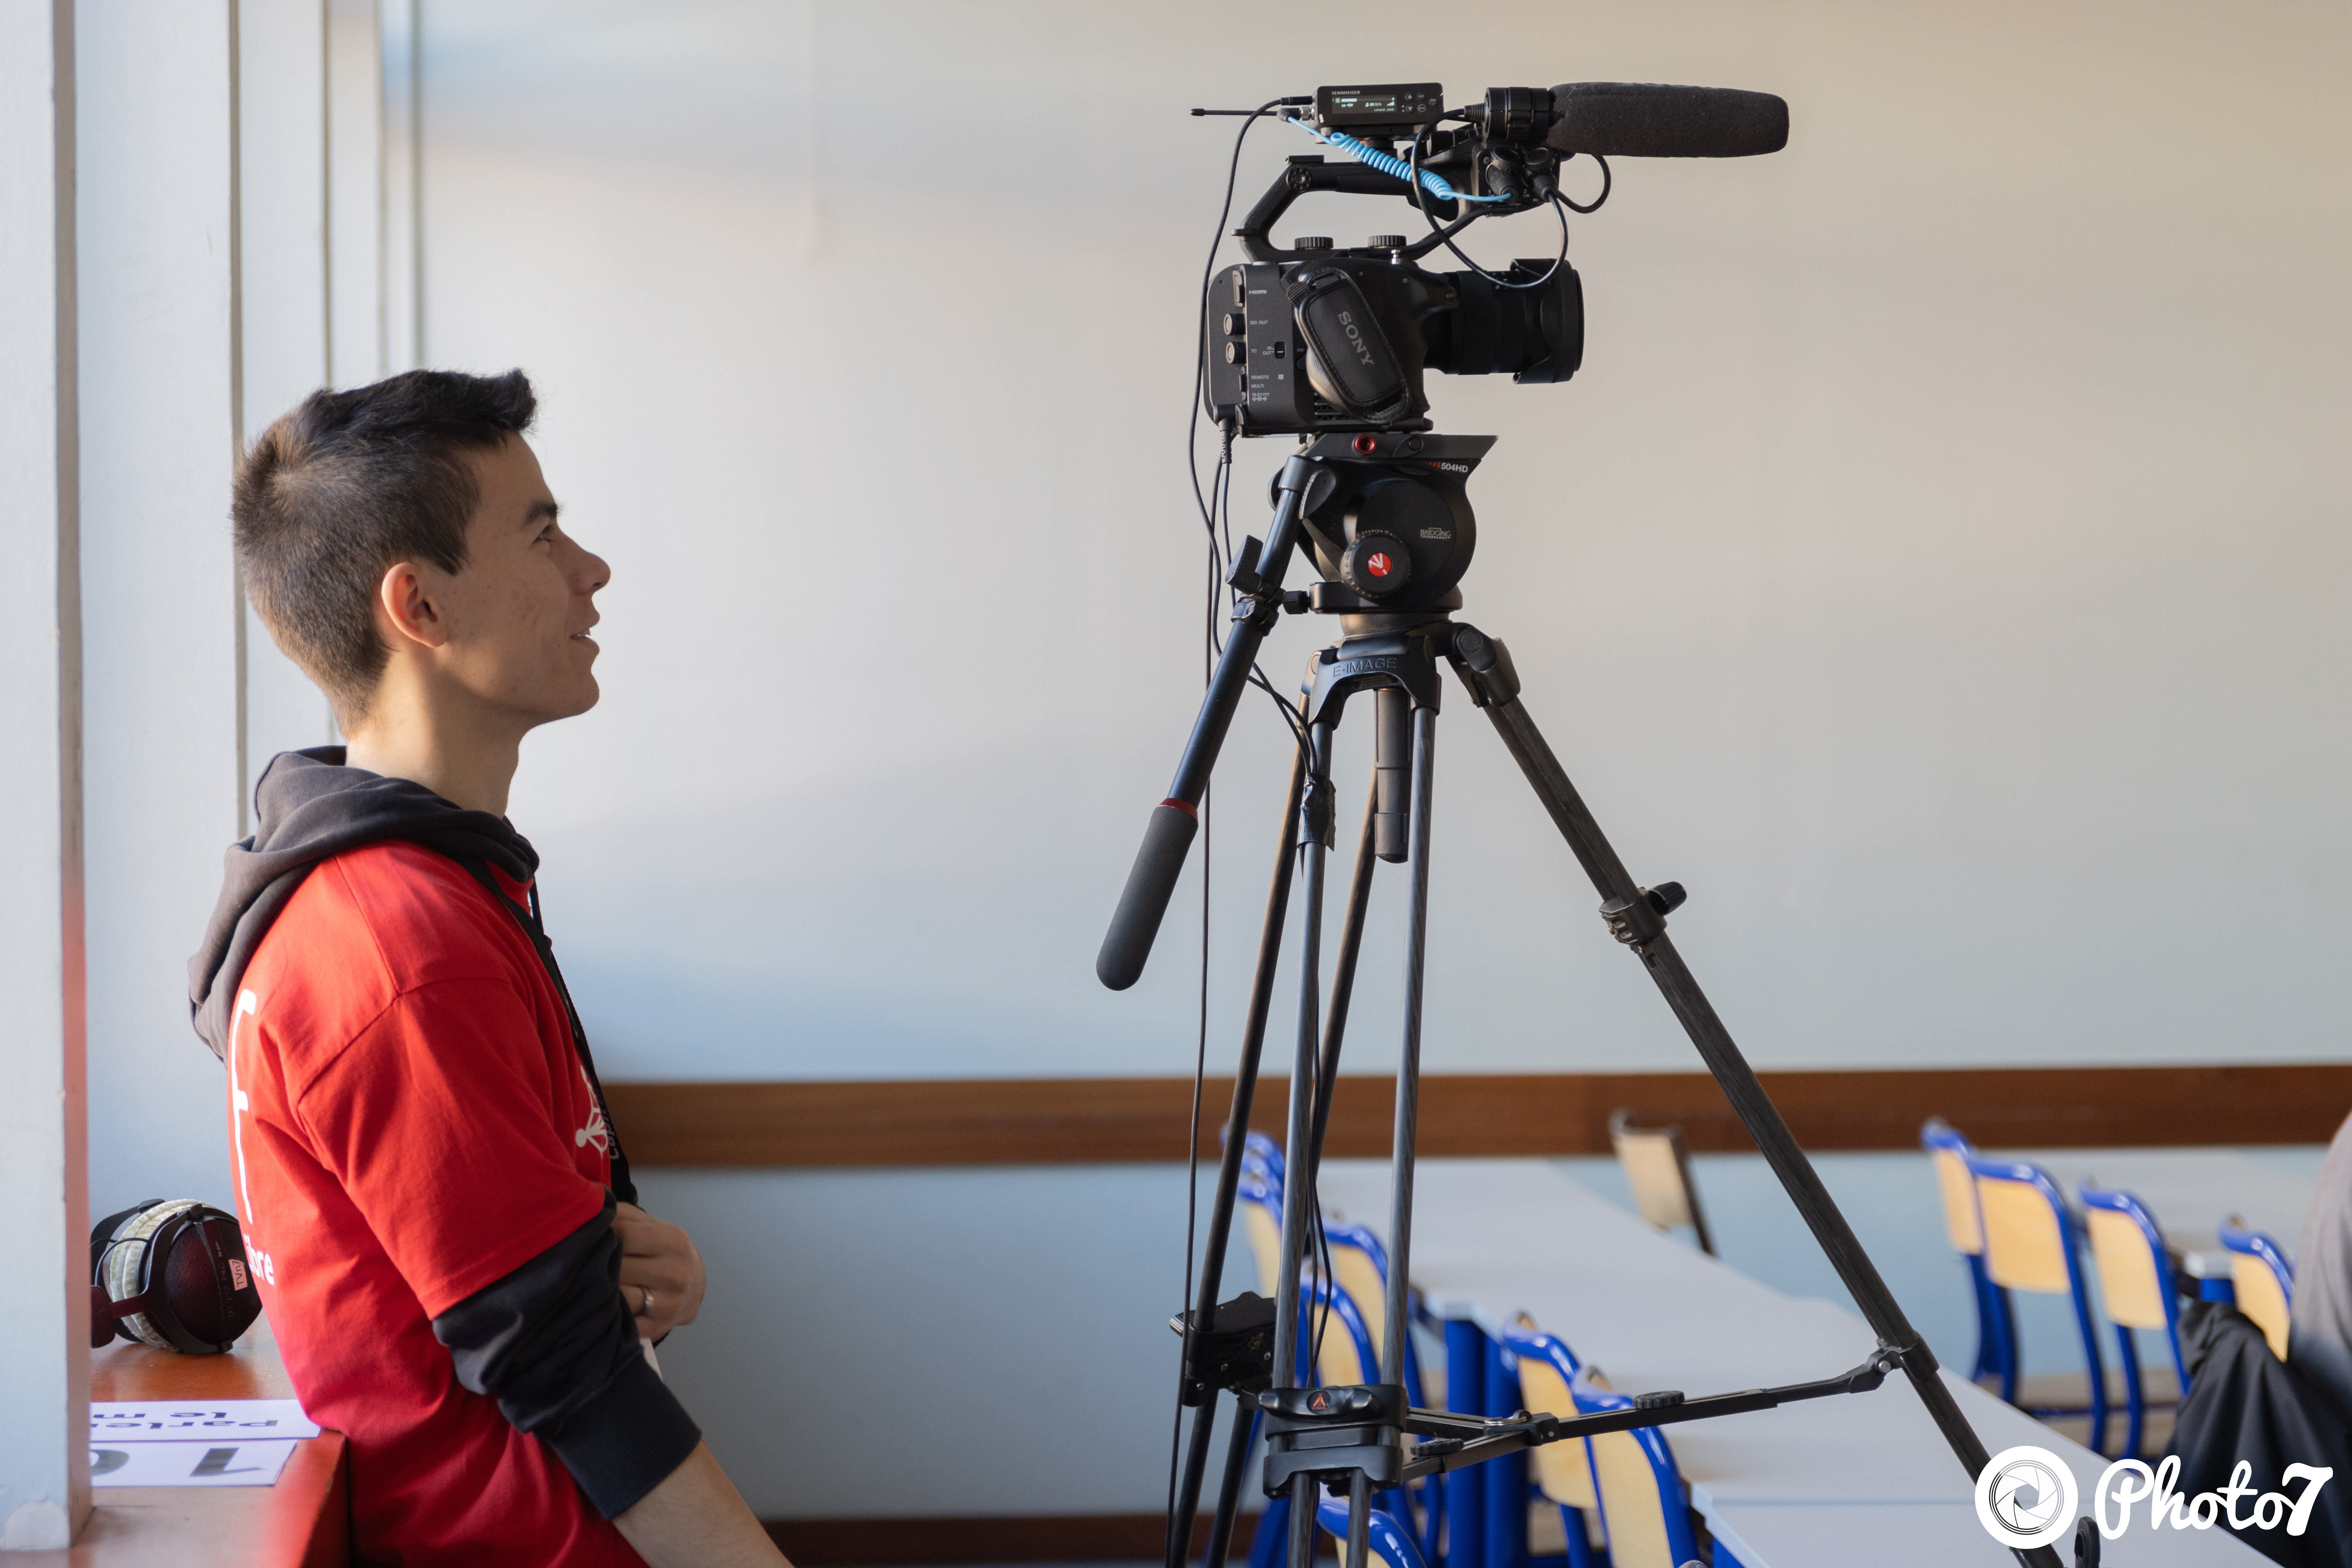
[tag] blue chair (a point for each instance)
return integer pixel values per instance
(2137, 1287)
(1263, 1150)
(1642, 1509)
(1359, 1266)
(1259, 1199)
(2030, 1244)
(2263, 1278)
(1996, 1324)
(1392, 1542)
(1547, 1371)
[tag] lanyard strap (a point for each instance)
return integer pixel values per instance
(528, 916)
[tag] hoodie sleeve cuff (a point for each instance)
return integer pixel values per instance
(626, 1439)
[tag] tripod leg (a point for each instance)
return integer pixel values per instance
(1343, 975)
(1360, 1519)
(1398, 1328)
(1298, 1190)
(1754, 1108)
(1229, 1166)
(1229, 1486)
(1302, 1523)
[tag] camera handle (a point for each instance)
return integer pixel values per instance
(1307, 172)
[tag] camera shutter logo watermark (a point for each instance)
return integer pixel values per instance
(2026, 1496)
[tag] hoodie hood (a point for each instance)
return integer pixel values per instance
(310, 806)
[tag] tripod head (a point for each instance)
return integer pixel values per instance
(1393, 531)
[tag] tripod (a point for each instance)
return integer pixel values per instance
(1354, 1437)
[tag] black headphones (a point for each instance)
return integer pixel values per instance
(172, 1274)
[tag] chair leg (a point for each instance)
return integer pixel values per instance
(2134, 1399)
(2098, 1443)
(1988, 1337)
(2004, 1322)
(1579, 1544)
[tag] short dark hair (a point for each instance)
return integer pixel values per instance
(345, 485)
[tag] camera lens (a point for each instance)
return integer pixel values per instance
(1529, 334)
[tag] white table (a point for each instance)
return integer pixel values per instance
(1784, 1488)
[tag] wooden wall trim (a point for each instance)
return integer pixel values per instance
(1047, 1538)
(989, 1121)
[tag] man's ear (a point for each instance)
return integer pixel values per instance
(405, 613)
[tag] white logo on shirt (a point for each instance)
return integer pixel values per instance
(596, 1131)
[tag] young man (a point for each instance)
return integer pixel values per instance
(433, 1202)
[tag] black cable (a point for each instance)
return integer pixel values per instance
(1605, 183)
(1413, 193)
(1212, 649)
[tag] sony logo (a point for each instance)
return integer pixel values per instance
(1356, 337)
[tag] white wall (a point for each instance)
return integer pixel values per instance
(283, 215)
(1937, 565)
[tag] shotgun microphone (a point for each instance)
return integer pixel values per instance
(1645, 119)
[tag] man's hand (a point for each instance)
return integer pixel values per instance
(660, 1257)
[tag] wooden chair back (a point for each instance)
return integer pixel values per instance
(1261, 1207)
(1362, 1273)
(1641, 1503)
(2027, 1246)
(1949, 1152)
(2263, 1281)
(1657, 1166)
(1563, 1471)
(2135, 1273)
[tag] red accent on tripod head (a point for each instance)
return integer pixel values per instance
(1192, 811)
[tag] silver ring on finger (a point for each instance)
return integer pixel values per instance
(645, 1307)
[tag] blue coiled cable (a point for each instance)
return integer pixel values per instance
(1390, 165)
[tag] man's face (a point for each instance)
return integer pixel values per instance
(518, 616)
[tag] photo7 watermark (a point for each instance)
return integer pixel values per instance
(2026, 1496)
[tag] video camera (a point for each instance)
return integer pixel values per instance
(1316, 340)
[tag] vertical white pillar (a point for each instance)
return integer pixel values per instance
(45, 1312)
(355, 155)
(404, 302)
(283, 257)
(155, 124)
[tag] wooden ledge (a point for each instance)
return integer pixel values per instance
(304, 1522)
(987, 1121)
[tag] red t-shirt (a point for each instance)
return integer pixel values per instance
(409, 1123)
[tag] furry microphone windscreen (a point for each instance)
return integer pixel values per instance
(1646, 120)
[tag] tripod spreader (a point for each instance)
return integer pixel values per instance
(1452, 1441)
(1334, 1432)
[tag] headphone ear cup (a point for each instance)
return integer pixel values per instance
(205, 1279)
(184, 1263)
(102, 1238)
